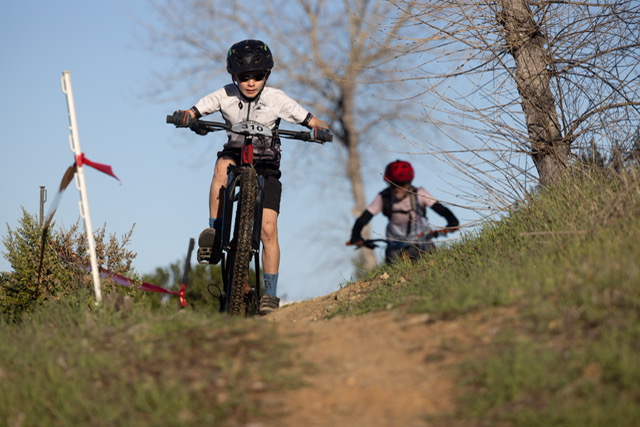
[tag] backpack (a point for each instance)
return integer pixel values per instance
(386, 203)
(415, 207)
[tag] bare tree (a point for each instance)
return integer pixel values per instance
(537, 78)
(329, 55)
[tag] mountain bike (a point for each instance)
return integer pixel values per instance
(242, 204)
(412, 251)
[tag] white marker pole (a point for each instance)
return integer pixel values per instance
(74, 141)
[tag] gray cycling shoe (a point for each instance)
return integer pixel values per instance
(209, 251)
(268, 303)
(207, 237)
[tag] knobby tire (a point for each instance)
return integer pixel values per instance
(242, 242)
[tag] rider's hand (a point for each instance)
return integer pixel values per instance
(321, 134)
(183, 118)
(359, 242)
(356, 239)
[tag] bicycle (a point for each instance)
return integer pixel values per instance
(410, 252)
(244, 191)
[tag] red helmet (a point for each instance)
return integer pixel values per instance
(399, 172)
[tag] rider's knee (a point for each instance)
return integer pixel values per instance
(220, 171)
(269, 231)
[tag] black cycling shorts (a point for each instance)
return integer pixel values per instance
(271, 173)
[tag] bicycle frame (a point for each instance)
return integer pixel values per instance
(237, 182)
(242, 207)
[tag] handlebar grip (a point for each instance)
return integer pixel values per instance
(323, 135)
(326, 135)
(170, 118)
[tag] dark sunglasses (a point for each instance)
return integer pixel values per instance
(245, 77)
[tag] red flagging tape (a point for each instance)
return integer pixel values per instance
(125, 281)
(82, 160)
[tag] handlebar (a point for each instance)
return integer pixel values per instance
(369, 243)
(197, 123)
(372, 243)
(202, 127)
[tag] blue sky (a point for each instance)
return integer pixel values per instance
(165, 172)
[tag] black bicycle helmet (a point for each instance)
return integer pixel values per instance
(249, 55)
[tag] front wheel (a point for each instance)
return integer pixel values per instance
(241, 243)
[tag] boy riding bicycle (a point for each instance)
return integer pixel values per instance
(406, 207)
(249, 63)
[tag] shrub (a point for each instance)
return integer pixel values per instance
(59, 268)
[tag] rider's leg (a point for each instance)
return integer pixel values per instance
(396, 251)
(270, 261)
(219, 180)
(209, 240)
(392, 255)
(270, 245)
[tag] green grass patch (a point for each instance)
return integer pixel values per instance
(71, 366)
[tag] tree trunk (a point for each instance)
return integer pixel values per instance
(350, 138)
(525, 41)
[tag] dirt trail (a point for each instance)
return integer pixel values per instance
(382, 369)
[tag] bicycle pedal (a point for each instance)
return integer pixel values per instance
(209, 256)
(205, 255)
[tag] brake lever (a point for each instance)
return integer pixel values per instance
(199, 129)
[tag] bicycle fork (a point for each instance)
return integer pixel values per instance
(230, 197)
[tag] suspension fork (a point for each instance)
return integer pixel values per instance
(257, 226)
(257, 235)
(228, 200)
